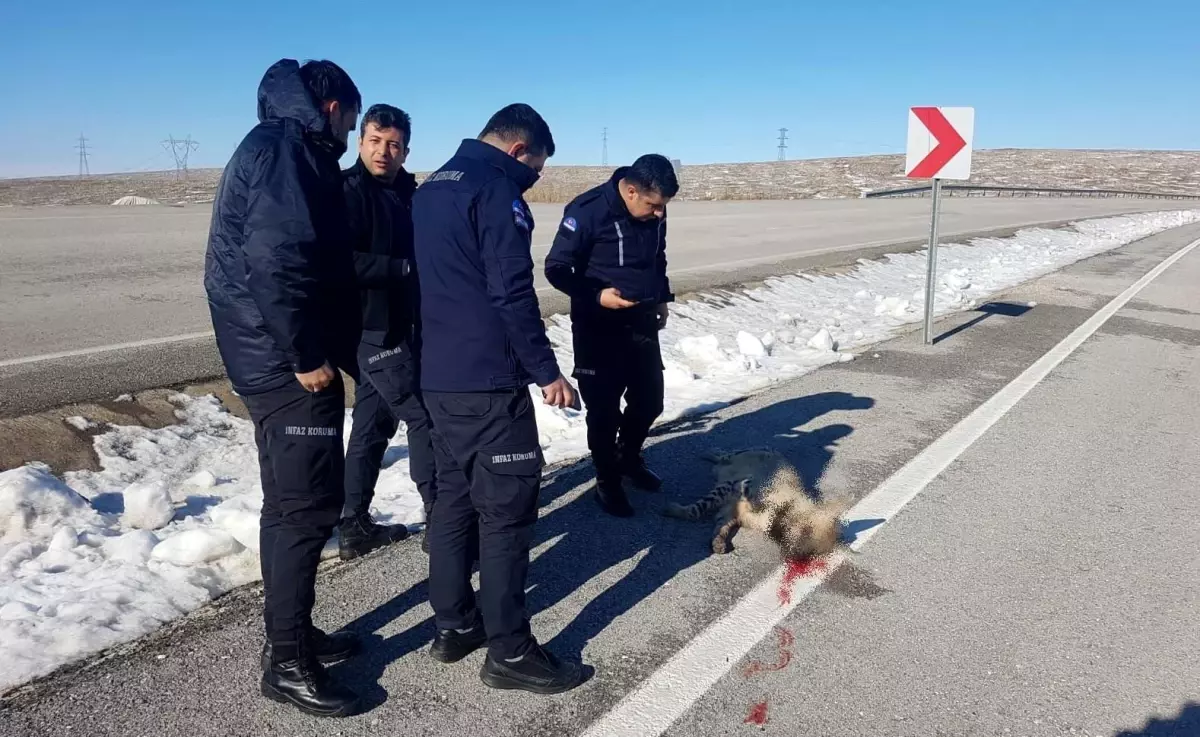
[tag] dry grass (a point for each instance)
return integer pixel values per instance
(1176, 172)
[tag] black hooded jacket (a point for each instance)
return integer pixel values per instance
(279, 270)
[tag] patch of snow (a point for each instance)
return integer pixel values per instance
(80, 423)
(129, 200)
(748, 345)
(148, 506)
(202, 480)
(192, 547)
(75, 579)
(822, 341)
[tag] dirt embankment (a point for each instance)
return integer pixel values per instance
(1174, 172)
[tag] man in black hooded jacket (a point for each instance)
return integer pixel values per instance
(279, 275)
(379, 202)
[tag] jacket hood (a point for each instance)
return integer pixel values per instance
(281, 94)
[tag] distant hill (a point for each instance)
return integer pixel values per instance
(1175, 172)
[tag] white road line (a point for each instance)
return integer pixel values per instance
(671, 690)
(104, 349)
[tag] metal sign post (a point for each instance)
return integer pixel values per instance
(931, 269)
(939, 147)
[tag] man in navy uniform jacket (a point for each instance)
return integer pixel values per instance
(609, 256)
(483, 343)
(279, 275)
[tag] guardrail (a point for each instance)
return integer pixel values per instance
(972, 190)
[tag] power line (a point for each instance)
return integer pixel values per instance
(782, 144)
(179, 149)
(604, 159)
(84, 169)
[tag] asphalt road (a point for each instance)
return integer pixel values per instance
(1044, 584)
(96, 302)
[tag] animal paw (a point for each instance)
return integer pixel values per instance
(721, 546)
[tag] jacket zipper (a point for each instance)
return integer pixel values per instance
(620, 244)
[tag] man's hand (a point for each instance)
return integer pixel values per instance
(663, 313)
(611, 298)
(559, 394)
(315, 381)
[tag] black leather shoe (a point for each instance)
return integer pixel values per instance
(450, 646)
(360, 535)
(329, 649)
(537, 672)
(610, 495)
(635, 469)
(296, 678)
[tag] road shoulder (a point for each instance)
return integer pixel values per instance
(625, 594)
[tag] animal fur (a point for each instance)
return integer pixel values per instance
(758, 488)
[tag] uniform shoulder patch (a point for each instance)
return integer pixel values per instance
(519, 215)
(570, 224)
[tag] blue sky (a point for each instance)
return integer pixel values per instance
(696, 80)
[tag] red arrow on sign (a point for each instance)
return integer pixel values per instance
(949, 142)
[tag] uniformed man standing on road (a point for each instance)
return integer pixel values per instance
(379, 203)
(483, 343)
(280, 282)
(609, 256)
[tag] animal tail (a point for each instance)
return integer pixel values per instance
(704, 506)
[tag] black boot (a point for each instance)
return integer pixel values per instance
(633, 466)
(451, 646)
(359, 535)
(610, 495)
(538, 671)
(296, 677)
(329, 649)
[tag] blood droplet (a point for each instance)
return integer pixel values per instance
(786, 640)
(757, 715)
(797, 568)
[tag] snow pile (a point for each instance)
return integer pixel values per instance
(133, 200)
(172, 518)
(148, 506)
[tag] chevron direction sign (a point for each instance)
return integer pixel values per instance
(939, 142)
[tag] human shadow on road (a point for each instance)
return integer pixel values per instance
(586, 543)
(1186, 724)
(593, 542)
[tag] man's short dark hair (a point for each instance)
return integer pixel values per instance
(653, 173)
(327, 81)
(520, 122)
(387, 116)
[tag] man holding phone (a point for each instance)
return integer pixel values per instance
(609, 256)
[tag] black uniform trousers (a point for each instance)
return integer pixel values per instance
(299, 437)
(617, 355)
(387, 393)
(489, 473)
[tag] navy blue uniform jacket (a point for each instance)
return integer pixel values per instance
(481, 325)
(599, 245)
(381, 234)
(278, 271)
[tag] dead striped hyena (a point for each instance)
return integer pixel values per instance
(759, 489)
